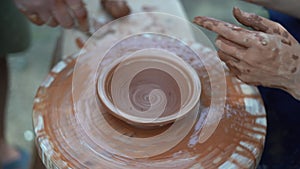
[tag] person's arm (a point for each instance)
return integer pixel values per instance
(290, 7)
(267, 56)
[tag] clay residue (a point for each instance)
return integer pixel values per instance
(276, 31)
(287, 42)
(294, 70)
(285, 34)
(295, 57)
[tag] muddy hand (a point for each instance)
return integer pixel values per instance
(115, 8)
(267, 55)
(66, 13)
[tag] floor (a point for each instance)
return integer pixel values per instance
(28, 69)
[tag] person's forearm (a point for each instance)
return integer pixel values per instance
(290, 7)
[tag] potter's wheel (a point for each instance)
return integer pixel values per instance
(74, 130)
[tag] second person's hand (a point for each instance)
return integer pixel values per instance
(66, 13)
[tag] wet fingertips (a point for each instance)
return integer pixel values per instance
(249, 19)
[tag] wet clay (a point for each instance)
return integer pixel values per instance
(146, 81)
(161, 87)
(63, 142)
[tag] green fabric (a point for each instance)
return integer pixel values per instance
(14, 29)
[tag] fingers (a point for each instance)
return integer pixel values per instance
(34, 18)
(233, 49)
(230, 62)
(262, 24)
(238, 68)
(43, 17)
(256, 22)
(47, 18)
(233, 68)
(243, 36)
(225, 57)
(61, 14)
(236, 34)
(80, 14)
(116, 9)
(66, 13)
(52, 22)
(32, 15)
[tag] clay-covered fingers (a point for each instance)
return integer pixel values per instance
(234, 65)
(234, 68)
(66, 13)
(61, 14)
(29, 11)
(79, 13)
(115, 8)
(44, 17)
(52, 22)
(231, 48)
(34, 18)
(254, 21)
(241, 70)
(261, 24)
(226, 57)
(236, 34)
(47, 18)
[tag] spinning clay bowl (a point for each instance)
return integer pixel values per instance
(70, 139)
(149, 88)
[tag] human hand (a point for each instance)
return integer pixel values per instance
(115, 8)
(66, 13)
(267, 55)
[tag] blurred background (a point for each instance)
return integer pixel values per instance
(29, 68)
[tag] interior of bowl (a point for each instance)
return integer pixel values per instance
(149, 87)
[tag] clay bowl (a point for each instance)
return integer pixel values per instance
(149, 88)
